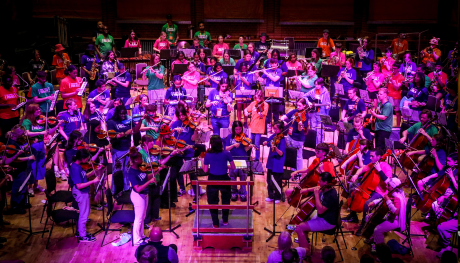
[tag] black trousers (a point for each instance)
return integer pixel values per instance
(380, 137)
(7, 125)
(153, 208)
(273, 192)
(213, 197)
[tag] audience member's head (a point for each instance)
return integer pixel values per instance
(448, 257)
(284, 241)
(328, 254)
(290, 256)
(366, 258)
(148, 254)
(383, 253)
(156, 235)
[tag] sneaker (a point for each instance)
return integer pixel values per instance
(31, 192)
(234, 198)
(202, 191)
(190, 192)
(373, 250)
(243, 198)
(39, 189)
(268, 199)
(296, 240)
(180, 192)
(63, 177)
(277, 201)
(57, 173)
(225, 223)
(351, 218)
(87, 238)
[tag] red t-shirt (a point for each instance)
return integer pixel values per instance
(327, 166)
(71, 85)
(133, 44)
(399, 46)
(8, 97)
(57, 61)
(218, 49)
(389, 62)
(161, 44)
(370, 85)
(392, 92)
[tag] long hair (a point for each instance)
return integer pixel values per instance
(205, 60)
(235, 125)
(421, 80)
(222, 82)
(73, 137)
(116, 114)
(284, 241)
(107, 55)
(146, 138)
(223, 56)
(318, 55)
(152, 108)
(135, 36)
(30, 114)
(216, 65)
(134, 154)
(216, 145)
(180, 53)
(87, 111)
(152, 60)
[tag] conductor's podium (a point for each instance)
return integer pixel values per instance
(237, 234)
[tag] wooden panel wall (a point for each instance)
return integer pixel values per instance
(248, 9)
(153, 10)
(316, 10)
(82, 9)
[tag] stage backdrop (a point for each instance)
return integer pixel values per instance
(81, 9)
(153, 10)
(248, 9)
(316, 11)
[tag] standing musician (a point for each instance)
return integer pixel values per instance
(394, 91)
(258, 110)
(440, 159)
(359, 132)
(80, 191)
(20, 159)
(397, 216)
(432, 53)
(226, 60)
(298, 119)
(220, 103)
(94, 123)
(100, 96)
(8, 100)
(399, 45)
(204, 36)
(154, 73)
(247, 58)
(373, 81)
(70, 86)
(109, 65)
(438, 79)
(386, 63)
(272, 79)
(347, 75)
(243, 81)
(383, 115)
(322, 101)
(240, 45)
(161, 43)
(354, 107)
(215, 161)
(365, 58)
(263, 44)
(173, 95)
(90, 63)
(308, 78)
(122, 83)
(408, 68)
(234, 144)
(429, 132)
(104, 43)
(60, 62)
(337, 57)
(382, 170)
(133, 41)
(275, 162)
(292, 63)
(326, 204)
(326, 44)
(171, 30)
(36, 64)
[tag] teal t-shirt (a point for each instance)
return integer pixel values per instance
(318, 66)
(231, 63)
(311, 81)
(147, 158)
(427, 81)
(237, 46)
(203, 36)
(151, 132)
(105, 44)
(33, 128)
(171, 32)
(387, 124)
(42, 91)
(154, 82)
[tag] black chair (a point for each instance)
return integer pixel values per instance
(332, 232)
(123, 197)
(55, 196)
(310, 142)
(118, 216)
(58, 216)
(290, 162)
(406, 232)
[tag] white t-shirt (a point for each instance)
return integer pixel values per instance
(276, 256)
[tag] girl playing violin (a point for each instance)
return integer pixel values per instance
(275, 162)
(80, 191)
(220, 103)
(258, 110)
(38, 129)
(173, 95)
(242, 81)
(93, 122)
(239, 152)
(148, 125)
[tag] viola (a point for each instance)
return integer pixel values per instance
(91, 166)
(91, 147)
(161, 118)
(243, 139)
(368, 184)
(149, 167)
(308, 181)
(172, 141)
(277, 140)
(417, 143)
(432, 194)
(110, 133)
(50, 120)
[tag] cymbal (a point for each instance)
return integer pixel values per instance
(132, 100)
(183, 44)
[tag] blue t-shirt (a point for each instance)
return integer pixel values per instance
(296, 134)
(175, 94)
(218, 162)
(216, 76)
(240, 61)
(73, 121)
(240, 85)
(367, 158)
(136, 177)
(451, 103)
(365, 64)
(353, 135)
(238, 153)
(105, 94)
(200, 66)
(283, 66)
(269, 82)
(275, 162)
(351, 74)
(185, 135)
(78, 176)
(123, 143)
(138, 112)
(87, 61)
(214, 96)
(350, 107)
(120, 91)
(419, 95)
(410, 67)
(441, 156)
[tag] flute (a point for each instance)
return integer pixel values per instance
(259, 70)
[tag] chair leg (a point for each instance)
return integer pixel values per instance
(311, 243)
(49, 237)
(46, 222)
(341, 232)
(338, 247)
(105, 234)
(43, 212)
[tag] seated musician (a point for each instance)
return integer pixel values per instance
(451, 106)
(354, 107)
(384, 171)
(198, 64)
(191, 77)
(321, 150)
(242, 81)
(215, 75)
(226, 60)
(272, 77)
(337, 57)
(247, 58)
(316, 60)
(100, 96)
(240, 45)
(89, 61)
(397, 216)
(204, 57)
(358, 132)
(347, 74)
(220, 104)
(439, 205)
(173, 95)
(239, 152)
(428, 132)
(326, 203)
(363, 155)
(215, 161)
(137, 113)
(218, 49)
(180, 59)
(42, 93)
(275, 162)
(416, 98)
(321, 100)
(394, 91)
(196, 43)
(109, 65)
(308, 78)
(292, 63)
(122, 81)
(258, 110)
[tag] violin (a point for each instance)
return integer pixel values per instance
(149, 167)
(189, 122)
(363, 192)
(172, 141)
(277, 140)
(92, 147)
(260, 107)
(156, 150)
(127, 120)
(91, 165)
(162, 118)
(50, 120)
(104, 134)
(243, 139)
(301, 116)
(11, 149)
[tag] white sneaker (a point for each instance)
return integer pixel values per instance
(268, 199)
(63, 177)
(202, 191)
(40, 189)
(31, 192)
(57, 173)
(277, 201)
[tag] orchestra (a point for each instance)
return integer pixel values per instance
(150, 133)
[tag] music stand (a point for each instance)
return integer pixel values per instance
(188, 52)
(100, 186)
(247, 92)
(234, 53)
(168, 54)
(329, 71)
(203, 137)
(228, 69)
(326, 120)
(179, 69)
(339, 90)
(128, 52)
(433, 104)
(364, 95)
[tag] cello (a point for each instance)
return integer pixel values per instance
(363, 192)
(310, 180)
(432, 194)
(417, 143)
(353, 149)
(422, 169)
(450, 207)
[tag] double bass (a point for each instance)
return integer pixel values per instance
(310, 180)
(363, 192)
(417, 143)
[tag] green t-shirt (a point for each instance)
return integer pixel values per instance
(427, 81)
(42, 91)
(232, 62)
(147, 159)
(171, 32)
(151, 132)
(154, 82)
(387, 124)
(38, 128)
(318, 66)
(237, 46)
(431, 131)
(105, 44)
(203, 36)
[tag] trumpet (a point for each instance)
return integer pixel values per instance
(360, 49)
(340, 77)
